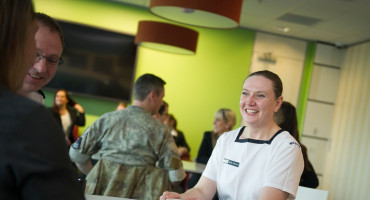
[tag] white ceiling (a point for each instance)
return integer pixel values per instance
(340, 22)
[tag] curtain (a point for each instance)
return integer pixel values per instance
(347, 172)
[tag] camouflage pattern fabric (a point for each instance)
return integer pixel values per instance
(137, 155)
(112, 179)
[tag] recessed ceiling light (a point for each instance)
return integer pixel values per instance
(283, 28)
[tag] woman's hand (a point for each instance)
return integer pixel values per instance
(182, 151)
(79, 108)
(170, 195)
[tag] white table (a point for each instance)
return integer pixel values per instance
(98, 197)
(193, 167)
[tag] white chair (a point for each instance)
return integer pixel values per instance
(305, 193)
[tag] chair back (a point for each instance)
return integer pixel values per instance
(305, 193)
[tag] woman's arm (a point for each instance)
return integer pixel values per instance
(270, 193)
(203, 190)
(80, 116)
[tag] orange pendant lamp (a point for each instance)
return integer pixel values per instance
(166, 37)
(220, 14)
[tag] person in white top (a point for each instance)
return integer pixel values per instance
(256, 161)
(69, 114)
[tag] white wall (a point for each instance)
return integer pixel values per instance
(288, 54)
(321, 105)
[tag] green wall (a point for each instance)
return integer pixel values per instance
(305, 84)
(196, 86)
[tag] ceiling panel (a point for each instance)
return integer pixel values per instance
(342, 21)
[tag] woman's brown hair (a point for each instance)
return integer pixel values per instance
(15, 18)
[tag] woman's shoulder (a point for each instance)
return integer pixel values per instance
(207, 134)
(21, 114)
(284, 137)
(14, 104)
(284, 140)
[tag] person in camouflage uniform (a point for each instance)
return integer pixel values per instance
(137, 155)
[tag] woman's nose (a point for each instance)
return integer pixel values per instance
(250, 100)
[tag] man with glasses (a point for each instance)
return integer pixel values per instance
(49, 45)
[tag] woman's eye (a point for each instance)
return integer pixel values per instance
(260, 95)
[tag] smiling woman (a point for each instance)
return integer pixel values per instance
(257, 161)
(68, 113)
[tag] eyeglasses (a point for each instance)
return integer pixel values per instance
(50, 61)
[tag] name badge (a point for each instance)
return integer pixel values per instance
(230, 162)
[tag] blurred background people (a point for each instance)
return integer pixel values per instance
(182, 146)
(286, 118)
(34, 162)
(121, 105)
(137, 154)
(224, 121)
(162, 113)
(49, 46)
(69, 114)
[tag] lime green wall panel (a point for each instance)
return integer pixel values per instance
(305, 84)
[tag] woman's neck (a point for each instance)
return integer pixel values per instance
(63, 109)
(260, 133)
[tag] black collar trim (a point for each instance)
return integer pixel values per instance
(253, 140)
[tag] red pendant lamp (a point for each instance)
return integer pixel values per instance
(166, 37)
(220, 14)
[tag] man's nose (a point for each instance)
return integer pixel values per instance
(41, 65)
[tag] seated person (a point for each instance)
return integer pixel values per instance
(224, 121)
(162, 113)
(182, 147)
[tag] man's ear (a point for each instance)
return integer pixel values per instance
(152, 95)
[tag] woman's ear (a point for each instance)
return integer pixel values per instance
(228, 126)
(279, 101)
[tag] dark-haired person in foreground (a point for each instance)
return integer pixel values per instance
(34, 162)
(49, 45)
(137, 156)
(286, 118)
